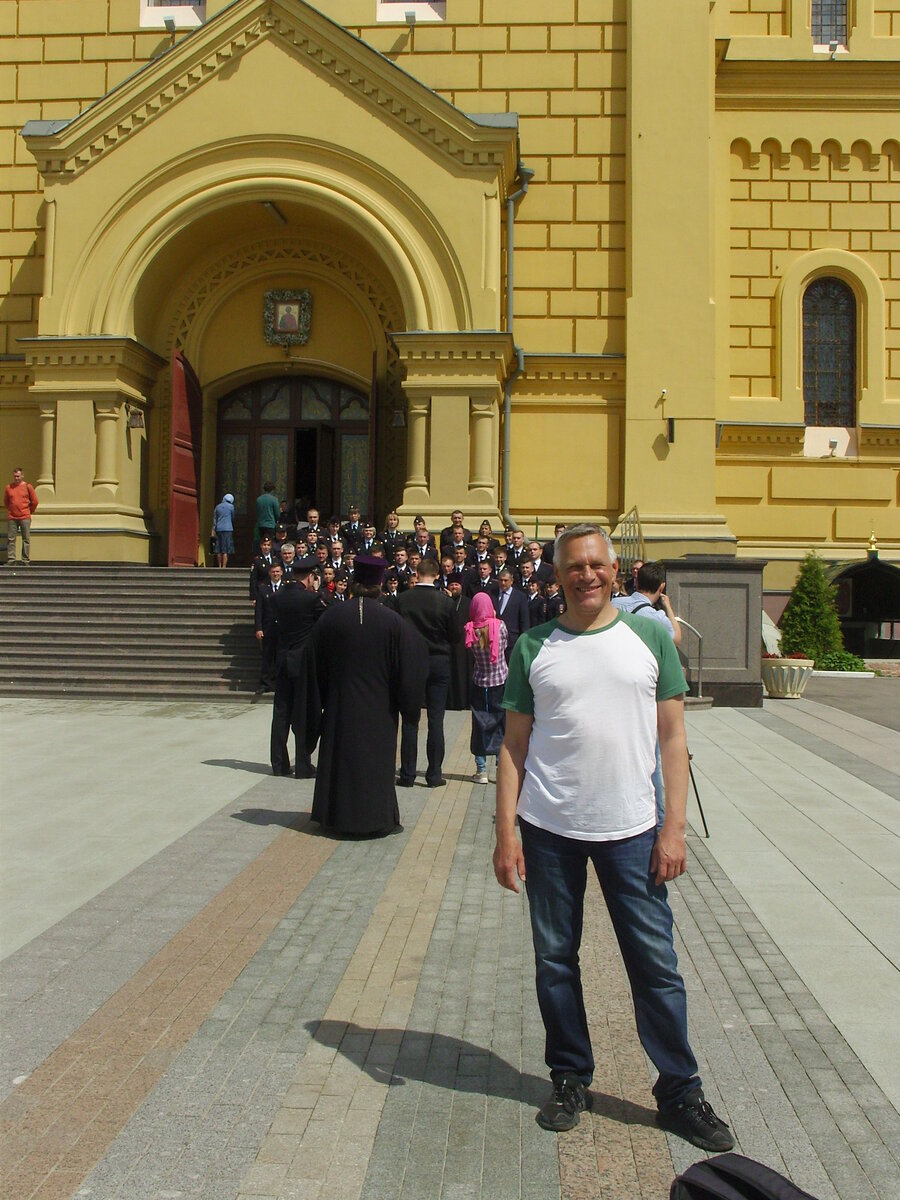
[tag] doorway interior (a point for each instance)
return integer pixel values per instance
(312, 437)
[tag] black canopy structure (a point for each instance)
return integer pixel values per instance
(868, 600)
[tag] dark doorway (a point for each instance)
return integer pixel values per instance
(309, 436)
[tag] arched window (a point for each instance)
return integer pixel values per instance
(829, 353)
(829, 22)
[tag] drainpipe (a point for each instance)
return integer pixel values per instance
(525, 174)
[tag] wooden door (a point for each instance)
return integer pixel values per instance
(184, 464)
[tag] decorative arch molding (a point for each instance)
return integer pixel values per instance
(256, 258)
(378, 208)
(867, 287)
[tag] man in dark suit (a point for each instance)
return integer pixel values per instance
(401, 566)
(259, 572)
(515, 551)
(290, 615)
(543, 571)
(481, 579)
(512, 609)
(456, 522)
(352, 530)
(262, 620)
(423, 544)
(433, 615)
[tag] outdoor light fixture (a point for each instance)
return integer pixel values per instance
(410, 17)
(169, 23)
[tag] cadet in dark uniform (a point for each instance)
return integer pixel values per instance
(291, 615)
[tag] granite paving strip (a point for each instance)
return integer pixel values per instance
(797, 1096)
(321, 1139)
(61, 1119)
(803, 729)
(60, 978)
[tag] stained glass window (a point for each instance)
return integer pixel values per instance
(275, 401)
(237, 408)
(829, 353)
(829, 22)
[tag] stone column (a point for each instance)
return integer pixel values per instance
(106, 424)
(454, 387)
(47, 410)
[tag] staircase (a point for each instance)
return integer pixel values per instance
(126, 632)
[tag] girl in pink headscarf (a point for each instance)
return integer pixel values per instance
(486, 638)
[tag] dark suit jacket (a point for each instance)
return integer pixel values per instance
(259, 573)
(263, 617)
(433, 615)
(473, 585)
(515, 616)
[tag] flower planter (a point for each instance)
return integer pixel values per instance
(786, 678)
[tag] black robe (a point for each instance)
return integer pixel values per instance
(368, 672)
(462, 662)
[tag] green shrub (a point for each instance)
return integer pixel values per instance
(810, 622)
(841, 660)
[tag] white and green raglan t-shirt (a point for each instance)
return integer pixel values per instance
(593, 697)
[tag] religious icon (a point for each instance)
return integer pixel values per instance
(287, 316)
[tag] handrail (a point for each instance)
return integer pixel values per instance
(688, 625)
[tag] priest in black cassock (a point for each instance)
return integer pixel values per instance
(370, 667)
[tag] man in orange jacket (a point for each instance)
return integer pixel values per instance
(21, 503)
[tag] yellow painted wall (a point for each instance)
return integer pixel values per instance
(564, 69)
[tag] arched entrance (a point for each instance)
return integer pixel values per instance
(310, 436)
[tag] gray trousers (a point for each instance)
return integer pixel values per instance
(21, 525)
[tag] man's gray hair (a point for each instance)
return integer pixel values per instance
(579, 531)
(289, 546)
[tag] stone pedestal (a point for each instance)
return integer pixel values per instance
(721, 597)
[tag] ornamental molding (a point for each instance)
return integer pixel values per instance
(810, 157)
(787, 85)
(885, 438)
(743, 437)
(66, 148)
(578, 369)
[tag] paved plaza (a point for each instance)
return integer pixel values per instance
(203, 997)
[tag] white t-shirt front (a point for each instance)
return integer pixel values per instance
(593, 698)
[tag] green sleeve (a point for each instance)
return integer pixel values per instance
(658, 640)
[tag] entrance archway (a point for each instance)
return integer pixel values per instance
(311, 436)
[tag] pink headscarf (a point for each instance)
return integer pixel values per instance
(482, 614)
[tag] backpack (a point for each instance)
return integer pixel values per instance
(734, 1177)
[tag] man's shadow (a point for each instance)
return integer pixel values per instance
(392, 1056)
(238, 764)
(272, 816)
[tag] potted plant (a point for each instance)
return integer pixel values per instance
(810, 631)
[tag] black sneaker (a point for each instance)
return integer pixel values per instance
(564, 1108)
(695, 1121)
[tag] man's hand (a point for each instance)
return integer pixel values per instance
(259, 635)
(509, 863)
(669, 857)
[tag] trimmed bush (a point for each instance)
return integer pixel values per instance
(841, 660)
(810, 622)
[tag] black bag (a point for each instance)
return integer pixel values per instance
(734, 1177)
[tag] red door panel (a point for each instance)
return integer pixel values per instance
(184, 464)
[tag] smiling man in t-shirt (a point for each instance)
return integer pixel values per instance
(586, 696)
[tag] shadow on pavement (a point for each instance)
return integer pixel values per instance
(238, 764)
(272, 816)
(391, 1056)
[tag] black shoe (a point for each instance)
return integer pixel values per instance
(564, 1108)
(401, 782)
(695, 1121)
(441, 782)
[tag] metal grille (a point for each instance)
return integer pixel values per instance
(829, 22)
(829, 353)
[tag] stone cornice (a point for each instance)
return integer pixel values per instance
(762, 439)
(459, 359)
(70, 147)
(879, 438)
(817, 86)
(90, 364)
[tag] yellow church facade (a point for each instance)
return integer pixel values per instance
(543, 262)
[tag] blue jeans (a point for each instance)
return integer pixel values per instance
(556, 877)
